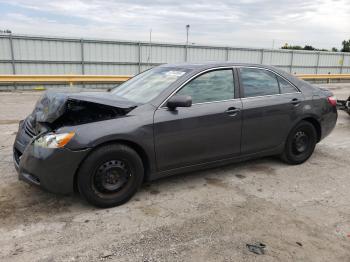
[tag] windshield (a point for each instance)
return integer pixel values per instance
(149, 84)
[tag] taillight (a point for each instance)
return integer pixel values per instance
(332, 100)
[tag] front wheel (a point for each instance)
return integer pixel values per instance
(300, 143)
(110, 175)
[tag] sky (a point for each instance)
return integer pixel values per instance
(243, 23)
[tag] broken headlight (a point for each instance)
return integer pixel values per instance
(52, 140)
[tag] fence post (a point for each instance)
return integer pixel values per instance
(12, 58)
(82, 60)
(318, 62)
(291, 63)
(140, 57)
(12, 55)
(262, 56)
(227, 50)
(342, 64)
(82, 56)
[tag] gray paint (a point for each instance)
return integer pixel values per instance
(186, 139)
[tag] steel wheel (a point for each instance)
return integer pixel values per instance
(111, 176)
(300, 143)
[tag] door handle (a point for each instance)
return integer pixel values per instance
(295, 101)
(232, 111)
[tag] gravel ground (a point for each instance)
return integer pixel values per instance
(301, 213)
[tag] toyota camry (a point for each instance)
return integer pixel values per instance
(168, 120)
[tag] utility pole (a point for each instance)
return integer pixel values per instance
(273, 46)
(187, 30)
(150, 48)
(186, 46)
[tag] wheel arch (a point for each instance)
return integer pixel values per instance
(139, 150)
(316, 124)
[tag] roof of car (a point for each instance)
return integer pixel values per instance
(207, 65)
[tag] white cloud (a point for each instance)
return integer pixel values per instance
(322, 23)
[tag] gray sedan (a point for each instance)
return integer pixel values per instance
(168, 120)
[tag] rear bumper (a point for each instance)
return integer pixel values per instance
(51, 169)
(328, 122)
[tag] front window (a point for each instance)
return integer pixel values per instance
(149, 84)
(213, 86)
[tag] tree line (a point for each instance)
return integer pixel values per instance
(345, 48)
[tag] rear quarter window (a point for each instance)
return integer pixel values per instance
(285, 86)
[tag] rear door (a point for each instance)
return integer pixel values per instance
(209, 130)
(270, 105)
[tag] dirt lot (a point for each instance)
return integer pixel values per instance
(301, 213)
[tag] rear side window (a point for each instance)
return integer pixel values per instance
(285, 86)
(213, 86)
(258, 82)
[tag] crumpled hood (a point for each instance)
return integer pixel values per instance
(53, 105)
(104, 98)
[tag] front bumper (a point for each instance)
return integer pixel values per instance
(51, 169)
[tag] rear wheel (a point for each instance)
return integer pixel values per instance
(300, 143)
(110, 175)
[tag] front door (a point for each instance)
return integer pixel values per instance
(209, 130)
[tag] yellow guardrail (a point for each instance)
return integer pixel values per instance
(72, 79)
(323, 76)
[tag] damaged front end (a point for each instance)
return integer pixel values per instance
(55, 110)
(39, 152)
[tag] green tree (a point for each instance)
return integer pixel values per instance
(309, 47)
(346, 46)
(295, 47)
(298, 47)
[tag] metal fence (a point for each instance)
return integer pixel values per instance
(20, 54)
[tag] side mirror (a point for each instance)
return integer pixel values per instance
(179, 101)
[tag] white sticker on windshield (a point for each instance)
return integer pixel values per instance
(175, 73)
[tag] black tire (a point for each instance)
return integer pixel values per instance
(300, 143)
(110, 175)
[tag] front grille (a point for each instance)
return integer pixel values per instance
(29, 129)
